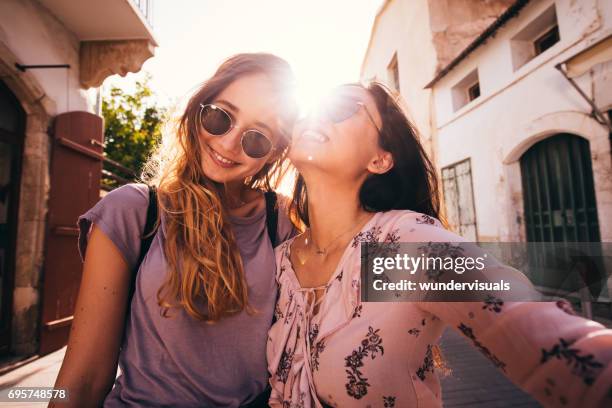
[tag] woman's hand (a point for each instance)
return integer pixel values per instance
(90, 365)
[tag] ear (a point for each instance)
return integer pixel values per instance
(381, 163)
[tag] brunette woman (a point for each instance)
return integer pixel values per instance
(364, 177)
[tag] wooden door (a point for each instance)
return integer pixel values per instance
(76, 166)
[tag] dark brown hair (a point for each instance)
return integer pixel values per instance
(410, 185)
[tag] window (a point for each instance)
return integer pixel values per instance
(393, 73)
(547, 40)
(474, 91)
(466, 90)
(535, 38)
(459, 199)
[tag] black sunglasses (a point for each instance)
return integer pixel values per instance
(218, 122)
(338, 108)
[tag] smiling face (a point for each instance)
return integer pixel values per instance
(341, 138)
(253, 103)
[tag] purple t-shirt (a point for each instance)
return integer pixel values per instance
(180, 361)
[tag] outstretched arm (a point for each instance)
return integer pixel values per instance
(559, 358)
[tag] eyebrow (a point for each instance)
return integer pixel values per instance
(234, 108)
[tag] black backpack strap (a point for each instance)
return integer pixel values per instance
(146, 239)
(149, 229)
(272, 225)
(272, 216)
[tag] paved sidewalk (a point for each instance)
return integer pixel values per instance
(473, 381)
(39, 373)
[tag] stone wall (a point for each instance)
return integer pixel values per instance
(33, 194)
(455, 24)
(30, 34)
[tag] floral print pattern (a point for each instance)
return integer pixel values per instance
(346, 339)
(357, 385)
(584, 366)
(315, 352)
(493, 304)
(440, 250)
(425, 219)
(414, 332)
(357, 311)
(371, 235)
(428, 364)
(469, 333)
(285, 365)
(389, 402)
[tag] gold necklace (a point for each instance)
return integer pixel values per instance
(318, 250)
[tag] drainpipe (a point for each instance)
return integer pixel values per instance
(598, 115)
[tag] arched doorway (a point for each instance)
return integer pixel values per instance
(560, 207)
(558, 191)
(12, 121)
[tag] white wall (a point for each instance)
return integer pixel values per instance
(403, 27)
(517, 109)
(35, 36)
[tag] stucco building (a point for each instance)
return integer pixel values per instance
(54, 55)
(502, 120)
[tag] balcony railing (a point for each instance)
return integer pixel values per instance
(146, 8)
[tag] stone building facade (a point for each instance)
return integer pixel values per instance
(513, 99)
(54, 55)
(412, 40)
(481, 81)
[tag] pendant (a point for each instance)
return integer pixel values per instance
(301, 259)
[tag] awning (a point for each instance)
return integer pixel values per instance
(582, 62)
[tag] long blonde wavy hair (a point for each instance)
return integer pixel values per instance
(205, 270)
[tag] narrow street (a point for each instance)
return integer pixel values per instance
(472, 382)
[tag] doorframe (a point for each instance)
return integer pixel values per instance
(576, 123)
(39, 110)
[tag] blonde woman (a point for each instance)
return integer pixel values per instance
(366, 178)
(193, 333)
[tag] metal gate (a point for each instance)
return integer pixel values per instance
(558, 190)
(560, 207)
(76, 166)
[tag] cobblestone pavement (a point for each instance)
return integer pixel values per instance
(474, 381)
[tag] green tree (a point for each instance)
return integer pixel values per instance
(132, 129)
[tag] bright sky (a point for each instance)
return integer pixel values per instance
(323, 40)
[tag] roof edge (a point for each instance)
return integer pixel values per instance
(507, 15)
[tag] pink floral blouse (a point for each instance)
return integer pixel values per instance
(352, 354)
